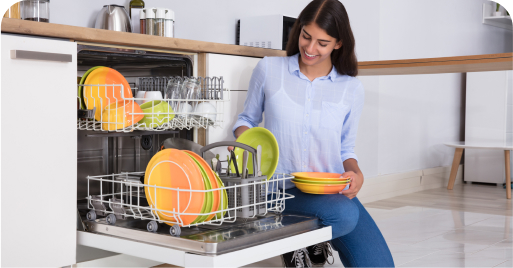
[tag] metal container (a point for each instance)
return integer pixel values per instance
(115, 18)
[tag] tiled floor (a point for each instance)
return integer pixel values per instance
(470, 226)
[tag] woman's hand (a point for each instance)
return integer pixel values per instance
(238, 132)
(355, 184)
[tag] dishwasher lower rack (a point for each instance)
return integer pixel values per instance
(251, 198)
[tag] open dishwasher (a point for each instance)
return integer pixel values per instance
(114, 213)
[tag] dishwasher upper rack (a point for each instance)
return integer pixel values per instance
(180, 115)
(128, 200)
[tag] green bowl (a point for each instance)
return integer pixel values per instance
(270, 151)
(157, 113)
(321, 182)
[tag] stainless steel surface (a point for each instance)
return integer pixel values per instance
(37, 55)
(113, 17)
(213, 240)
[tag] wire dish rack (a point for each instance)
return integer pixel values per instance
(249, 198)
(109, 107)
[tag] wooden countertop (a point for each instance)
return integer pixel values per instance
(462, 64)
(92, 35)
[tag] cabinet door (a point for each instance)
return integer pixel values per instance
(236, 72)
(39, 166)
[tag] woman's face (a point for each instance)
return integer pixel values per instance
(316, 45)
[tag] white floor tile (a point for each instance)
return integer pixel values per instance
(453, 259)
(507, 263)
(462, 241)
(406, 253)
(501, 224)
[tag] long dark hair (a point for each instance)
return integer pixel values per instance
(331, 16)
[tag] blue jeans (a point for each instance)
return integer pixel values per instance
(355, 236)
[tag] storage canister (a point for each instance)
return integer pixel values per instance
(35, 10)
(142, 20)
(150, 21)
(170, 23)
(160, 17)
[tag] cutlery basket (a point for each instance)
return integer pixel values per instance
(249, 200)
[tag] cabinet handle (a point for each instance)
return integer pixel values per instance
(36, 55)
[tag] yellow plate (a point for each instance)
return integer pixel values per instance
(174, 169)
(320, 182)
(319, 176)
(319, 188)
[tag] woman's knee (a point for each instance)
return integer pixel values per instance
(342, 217)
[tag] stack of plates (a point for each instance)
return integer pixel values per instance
(184, 170)
(320, 182)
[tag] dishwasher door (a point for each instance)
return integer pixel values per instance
(229, 245)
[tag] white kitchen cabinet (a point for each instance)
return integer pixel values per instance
(488, 118)
(236, 72)
(38, 147)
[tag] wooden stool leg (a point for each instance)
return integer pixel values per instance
(508, 173)
(454, 168)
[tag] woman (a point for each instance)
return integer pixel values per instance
(312, 103)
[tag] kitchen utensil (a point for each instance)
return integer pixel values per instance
(183, 144)
(228, 167)
(259, 160)
(174, 169)
(140, 97)
(113, 17)
(270, 150)
(207, 205)
(213, 181)
(35, 10)
(218, 167)
(101, 96)
(156, 114)
(81, 88)
(318, 176)
(321, 182)
(319, 188)
(214, 164)
(244, 164)
(234, 161)
(121, 114)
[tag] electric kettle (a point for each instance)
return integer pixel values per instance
(113, 17)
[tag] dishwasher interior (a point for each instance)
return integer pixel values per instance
(129, 153)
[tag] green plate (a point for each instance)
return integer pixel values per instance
(270, 151)
(209, 196)
(225, 199)
(321, 182)
(80, 88)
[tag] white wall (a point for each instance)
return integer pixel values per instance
(406, 118)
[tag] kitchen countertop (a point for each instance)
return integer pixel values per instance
(460, 64)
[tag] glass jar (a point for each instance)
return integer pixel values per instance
(150, 21)
(160, 17)
(35, 10)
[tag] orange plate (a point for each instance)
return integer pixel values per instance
(121, 114)
(213, 181)
(319, 176)
(101, 96)
(174, 169)
(319, 188)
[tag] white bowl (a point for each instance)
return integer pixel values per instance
(185, 109)
(140, 95)
(152, 95)
(207, 110)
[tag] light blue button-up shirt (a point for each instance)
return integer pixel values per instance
(314, 122)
